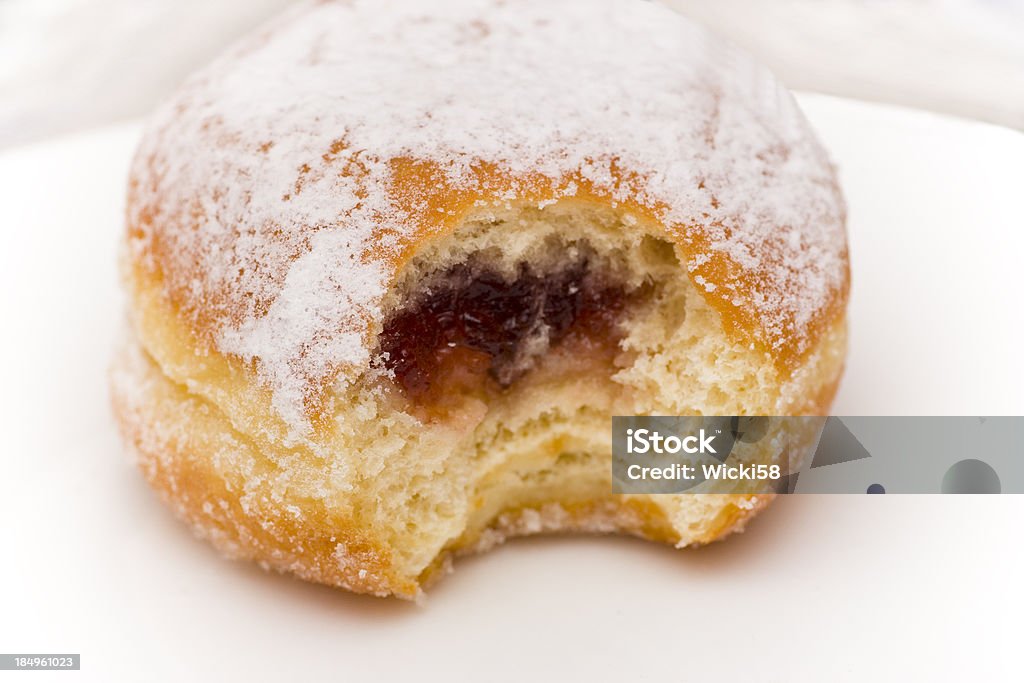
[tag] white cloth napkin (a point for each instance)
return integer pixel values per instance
(71, 64)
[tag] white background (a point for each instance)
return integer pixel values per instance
(819, 588)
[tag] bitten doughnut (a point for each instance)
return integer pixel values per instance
(393, 266)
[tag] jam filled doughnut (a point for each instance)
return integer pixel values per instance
(392, 267)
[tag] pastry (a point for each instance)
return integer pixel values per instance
(392, 267)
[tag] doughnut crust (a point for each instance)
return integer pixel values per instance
(392, 267)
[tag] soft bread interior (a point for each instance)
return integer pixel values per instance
(544, 444)
(387, 492)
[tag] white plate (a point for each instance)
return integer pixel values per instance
(820, 588)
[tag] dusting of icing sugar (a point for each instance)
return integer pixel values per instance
(265, 183)
(311, 321)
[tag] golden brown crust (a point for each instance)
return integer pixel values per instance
(435, 210)
(176, 436)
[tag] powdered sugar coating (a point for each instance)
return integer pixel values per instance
(265, 193)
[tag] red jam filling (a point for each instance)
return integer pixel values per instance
(472, 324)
